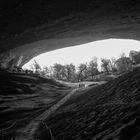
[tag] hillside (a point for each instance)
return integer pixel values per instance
(103, 112)
(23, 97)
(106, 112)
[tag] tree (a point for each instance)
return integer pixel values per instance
(123, 64)
(50, 71)
(105, 65)
(82, 72)
(45, 71)
(134, 57)
(70, 72)
(113, 65)
(58, 71)
(92, 68)
(122, 55)
(36, 67)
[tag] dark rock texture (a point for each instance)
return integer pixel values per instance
(106, 112)
(23, 97)
(110, 111)
(29, 28)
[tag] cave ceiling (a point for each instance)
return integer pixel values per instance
(31, 27)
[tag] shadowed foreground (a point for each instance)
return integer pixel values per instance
(23, 98)
(109, 111)
(106, 112)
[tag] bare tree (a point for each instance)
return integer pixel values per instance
(58, 71)
(92, 68)
(45, 71)
(82, 73)
(36, 67)
(70, 72)
(51, 71)
(113, 65)
(105, 65)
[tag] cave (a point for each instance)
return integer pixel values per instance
(32, 27)
(28, 29)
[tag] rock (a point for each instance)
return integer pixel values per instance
(25, 31)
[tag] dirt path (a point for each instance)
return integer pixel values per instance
(28, 132)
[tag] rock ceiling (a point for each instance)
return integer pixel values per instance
(29, 28)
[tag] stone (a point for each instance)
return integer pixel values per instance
(29, 28)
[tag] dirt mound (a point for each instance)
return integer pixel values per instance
(23, 97)
(13, 83)
(106, 112)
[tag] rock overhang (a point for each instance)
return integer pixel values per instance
(36, 27)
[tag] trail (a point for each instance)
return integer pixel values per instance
(28, 132)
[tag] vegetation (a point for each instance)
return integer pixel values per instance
(89, 71)
(106, 111)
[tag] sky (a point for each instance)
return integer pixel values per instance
(84, 53)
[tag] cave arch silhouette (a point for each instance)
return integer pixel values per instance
(25, 35)
(108, 48)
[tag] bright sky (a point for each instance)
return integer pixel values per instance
(84, 53)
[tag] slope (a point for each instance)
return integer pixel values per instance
(24, 97)
(106, 112)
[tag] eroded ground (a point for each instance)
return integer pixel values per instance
(23, 98)
(110, 111)
(106, 112)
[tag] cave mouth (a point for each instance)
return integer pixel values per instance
(108, 48)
